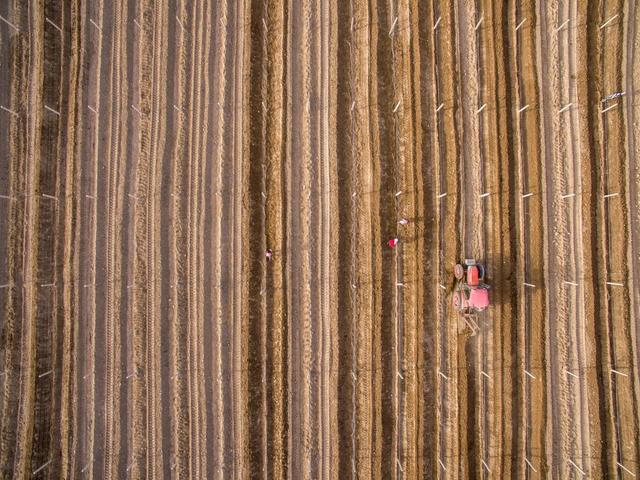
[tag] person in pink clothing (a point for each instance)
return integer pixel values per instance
(393, 242)
(268, 254)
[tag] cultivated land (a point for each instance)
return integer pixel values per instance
(152, 150)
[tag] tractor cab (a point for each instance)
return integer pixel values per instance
(471, 293)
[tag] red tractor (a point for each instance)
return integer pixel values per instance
(471, 294)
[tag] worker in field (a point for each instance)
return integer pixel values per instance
(393, 242)
(268, 254)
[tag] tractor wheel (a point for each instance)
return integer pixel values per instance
(481, 272)
(457, 300)
(458, 271)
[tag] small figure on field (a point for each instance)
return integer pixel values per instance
(268, 254)
(393, 242)
(403, 221)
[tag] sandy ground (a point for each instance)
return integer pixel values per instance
(154, 150)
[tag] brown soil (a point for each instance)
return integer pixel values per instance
(155, 149)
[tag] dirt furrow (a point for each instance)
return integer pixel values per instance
(531, 259)
(631, 75)
(452, 391)
(16, 47)
(275, 370)
(166, 293)
(425, 229)
(615, 240)
(240, 141)
(561, 440)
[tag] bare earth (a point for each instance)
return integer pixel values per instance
(152, 150)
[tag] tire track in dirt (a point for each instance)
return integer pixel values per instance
(446, 80)
(298, 246)
(239, 142)
(90, 233)
(26, 384)
(574, 269)
(411, 268)
(615, 244)
(275, 368)
(530, 264)
(562, 437)
(17, 48)
(165, 233)
(500, 421)
(326, 452)
(427, 219)
(631, 74)
(473, 235)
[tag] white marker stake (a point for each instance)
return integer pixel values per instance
(616, 284)
(572, 374)
(399, 284)
(49, 196)
(41, 468)
(568, 195)
(567, 282)
(138, 24)
(51, 110)
(479, 23)
(264, 24)
(530, 466)
(136, 110)
(484, 195)
(523, 108)
(398, 193)
(481, 108)
(486, 466)
(577, 467)
(395, 109)
(565, 108)
(9, 23)
(439, 107)
(51, 23)
(531, 285)
(520, 24)
(45, 374)
(619, 373)
(443, 287)
(7, 110)
(626, 469)
(442, 195)
(609, 108)
(485, 374)
(442, 465)
(95, 24)
(353, 105)
(611, 195)
(529, 374)
(609, 21)
(443, 375)
(92, 109)
(527, 195)
(393, 26)
(563, 25)
(437, 23)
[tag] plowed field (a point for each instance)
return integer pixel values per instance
(151, 151)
